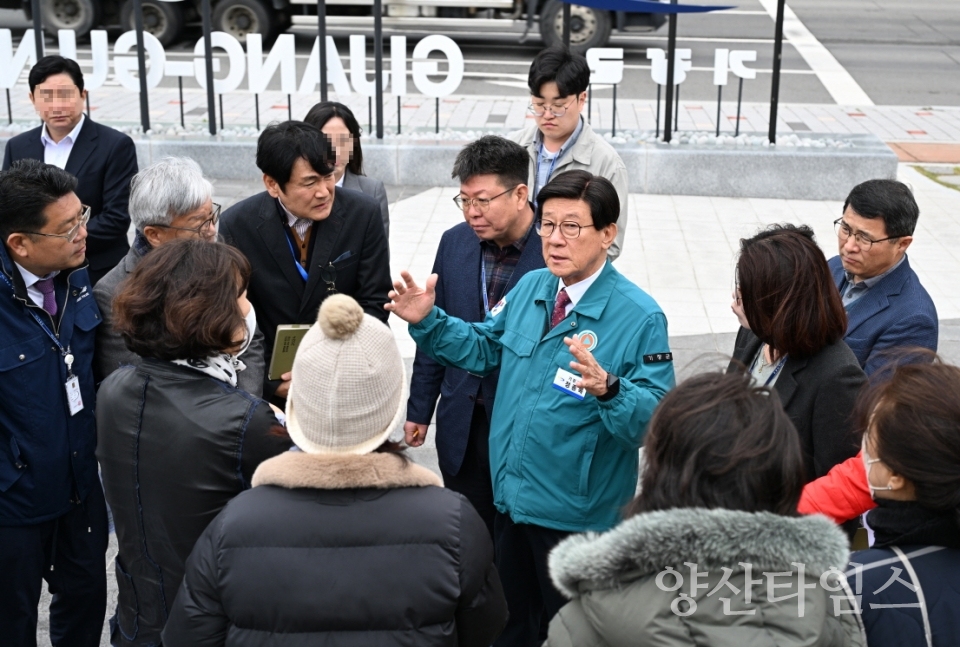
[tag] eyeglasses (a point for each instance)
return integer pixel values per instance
(540, 109)
(844, 232)
(480, 203)
(568, 229)
(71, 235)
(209, 223)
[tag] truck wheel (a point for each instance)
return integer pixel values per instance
(588, 27)
(79, 15)
(241, 17)
(162, 19)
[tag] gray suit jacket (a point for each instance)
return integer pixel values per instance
(112, 352)
(373, 188)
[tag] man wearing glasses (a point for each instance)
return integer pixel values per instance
(478, 262)
(560, 139)
(887, 308)
(102, 159)
(168, 200)
(53, 519)
(584, 359)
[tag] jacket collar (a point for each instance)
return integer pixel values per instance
(82, 147)
(294, 470)
(581, 152)
(786, 384)
(593, 301)
(877, 297)
(649, 542)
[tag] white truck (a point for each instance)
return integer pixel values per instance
(166, 19)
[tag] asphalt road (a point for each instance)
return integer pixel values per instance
(898, 53)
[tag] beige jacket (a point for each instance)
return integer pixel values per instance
(590, 153)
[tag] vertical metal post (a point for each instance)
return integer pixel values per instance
(589, 102)
(141, 65)
(256, 108)
(378, 62)
(208, 56)
(566, 24)
(289, 108)
(9, 108)
(183, 123)
(671, 69)
(719, 98)
(658, 111)
(775, 85)
(676, 111)
(437, 113)
(37, 28)
(739, 99)
(322, 35)
(398, 114)
(613, 119)
(222, 122)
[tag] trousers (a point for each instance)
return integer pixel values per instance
(473, 480)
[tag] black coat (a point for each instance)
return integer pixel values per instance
(818, 393)
(341, 550)
(104, 161)
(354, 226)
(174, 446)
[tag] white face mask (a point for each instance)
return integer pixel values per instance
(867, 463)
(251, 323)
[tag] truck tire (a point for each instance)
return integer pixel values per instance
(79, 15)
(240, 17)
(162, 19)
(588, 27)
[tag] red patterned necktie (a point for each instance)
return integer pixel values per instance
(559, 308)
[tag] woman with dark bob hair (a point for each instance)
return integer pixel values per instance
(911, 452)
(176, 439)
(715, 519)
(791, 340)
(337, 122)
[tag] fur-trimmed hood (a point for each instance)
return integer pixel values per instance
(342, 472)
(648, 542)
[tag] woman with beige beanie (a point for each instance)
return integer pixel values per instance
(346, 542)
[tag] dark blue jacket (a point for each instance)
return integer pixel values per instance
(46, 455)
(895, 313)
(458, 294)
(882, 569)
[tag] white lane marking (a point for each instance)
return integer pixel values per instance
(834, 77)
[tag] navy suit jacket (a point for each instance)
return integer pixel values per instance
(458, 293)
(104, 161)
(895, 313)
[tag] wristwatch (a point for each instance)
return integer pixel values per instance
(613, 388)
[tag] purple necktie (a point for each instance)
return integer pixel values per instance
(560, 308)
(49, 295)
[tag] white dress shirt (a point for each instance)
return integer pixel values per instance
(57, 153)
(577, 290)
(30, 279)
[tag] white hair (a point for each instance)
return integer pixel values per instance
(172, 187)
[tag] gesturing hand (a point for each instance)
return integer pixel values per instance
(409, 301)
(593, 377)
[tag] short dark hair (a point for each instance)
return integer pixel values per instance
(26, 189)
(598, 192)
(914, 417)
(493, 155)
(889, 200)
(181, 301)
(281, 145)
(787, 291)
(569, 71)
(323, 112)
(718, 441)
(51, 65)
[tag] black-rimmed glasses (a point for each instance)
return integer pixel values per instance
(844, 232)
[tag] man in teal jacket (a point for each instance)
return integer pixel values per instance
(584, 360)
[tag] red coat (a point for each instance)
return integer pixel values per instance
(841, 494)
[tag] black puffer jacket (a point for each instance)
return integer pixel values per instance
(341, 550)
(174, 446)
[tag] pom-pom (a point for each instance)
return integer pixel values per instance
(340, 316)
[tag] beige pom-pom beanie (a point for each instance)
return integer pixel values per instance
(349, 389)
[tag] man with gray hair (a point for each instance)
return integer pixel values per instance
(168, 200)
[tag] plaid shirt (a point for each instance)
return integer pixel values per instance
(498, 265)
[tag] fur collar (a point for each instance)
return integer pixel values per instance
(649, 542)
(342, 472)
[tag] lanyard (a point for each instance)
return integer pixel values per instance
(64, 352)
(553, 164)
(483, 284)
(776, 370)
(296, 261)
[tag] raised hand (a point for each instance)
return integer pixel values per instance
(409, 301)
(592, 376)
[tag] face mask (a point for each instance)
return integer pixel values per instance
(867, 463)
(251, 323)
